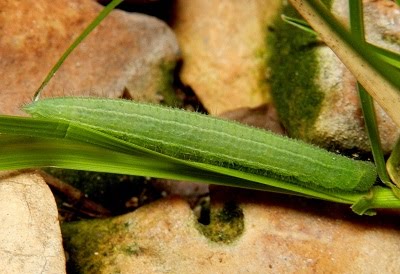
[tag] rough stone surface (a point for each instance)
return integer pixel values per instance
(128, 52)
(30, 236)
(340, 120)
(327, 110)
(281, 235)
(224, 50)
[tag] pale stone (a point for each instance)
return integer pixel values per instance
(131, 53)
(224, 50)
(281, 234)
(30, 236)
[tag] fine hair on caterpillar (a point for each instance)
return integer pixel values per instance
(200, 138)
(126, 137)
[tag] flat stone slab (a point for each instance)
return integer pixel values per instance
(272, 234)
(30, 236)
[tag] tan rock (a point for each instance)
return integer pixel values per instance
(127, 52)
(270, 234)
(224, 51)
(30, 236)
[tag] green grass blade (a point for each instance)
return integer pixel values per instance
(356, 20)
(390, 57)
(30, 147)
(357, 29)
(17, 152)
(373, 134)
(57, 130)
(380, 79)
(20, 152)
(103, 14)
(301, 24)
(379, 197)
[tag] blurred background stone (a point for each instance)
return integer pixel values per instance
(131, 53)
(224, 50)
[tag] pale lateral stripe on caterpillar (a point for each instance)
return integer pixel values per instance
(195, 137)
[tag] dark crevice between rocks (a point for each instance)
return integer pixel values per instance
(185, 93)
(159, 9)
(117, 193)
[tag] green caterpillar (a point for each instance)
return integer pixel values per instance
(200, 138)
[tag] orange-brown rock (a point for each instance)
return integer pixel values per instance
(127, 52)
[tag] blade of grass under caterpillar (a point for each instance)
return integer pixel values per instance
(153, 161)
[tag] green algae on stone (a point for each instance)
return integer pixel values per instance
(226, 224)
(293, 69)
(154, 85)
(83, 241)
(393, 38)
(92, 244)
(328, 3)
(132, 249)
(166, 84)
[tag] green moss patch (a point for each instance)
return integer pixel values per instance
(92, 245)
(166, 84)
(226, 224)
(293, 70)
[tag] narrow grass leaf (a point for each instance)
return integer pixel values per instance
(390, 57)
(301, 24)
(103, 14)
(367, 104)
(152, 163)
(29, 148)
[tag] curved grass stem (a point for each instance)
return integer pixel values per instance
(103, 14)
